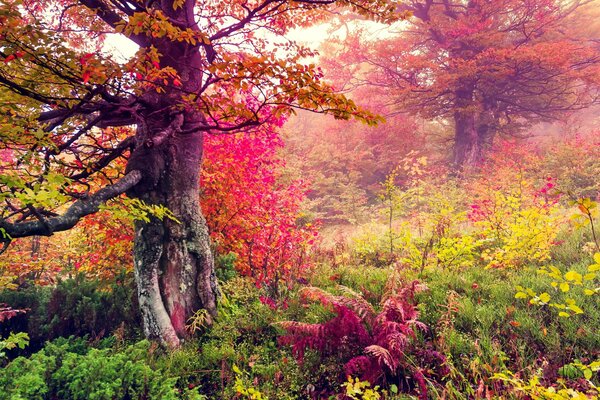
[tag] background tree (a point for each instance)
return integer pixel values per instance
(489, 67)
(346, 161)
(200, 68)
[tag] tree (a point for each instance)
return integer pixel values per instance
(346, 161)
(489, 66)
(202, 67)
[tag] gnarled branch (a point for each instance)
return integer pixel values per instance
(74, 213)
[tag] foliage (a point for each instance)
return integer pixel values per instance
(535, 390)
(356, 389)
(13, 340)
(562, 284)
(588, 212)
(515, 233)
(253, 209)
(375, 346)
(483, 330)
(225, 266)
(59, 371)
(249, 393)
(76, 306)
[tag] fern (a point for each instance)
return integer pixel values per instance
(7, 312)
(378, 347)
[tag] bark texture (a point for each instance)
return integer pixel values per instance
(174, 266)
(173, 261)
(474, 128)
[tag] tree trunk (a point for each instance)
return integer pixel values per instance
(174, 266)
(474, 125)
(173, 262)
(467, 147)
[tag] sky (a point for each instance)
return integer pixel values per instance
(123, 49)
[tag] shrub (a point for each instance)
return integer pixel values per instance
(76, 306)
(374, 346)
(68, 371)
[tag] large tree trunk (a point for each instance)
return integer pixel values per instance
(467, 147)
(173, 262)
(474, 126)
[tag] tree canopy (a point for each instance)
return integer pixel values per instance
(490, 67)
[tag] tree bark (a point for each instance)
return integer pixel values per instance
(467, 149)
(174, 266)
(474, 125)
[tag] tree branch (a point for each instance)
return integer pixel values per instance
(108, 15)
(74, 213)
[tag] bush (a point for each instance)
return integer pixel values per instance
(76, 306)
(381, 347)
(68, 370)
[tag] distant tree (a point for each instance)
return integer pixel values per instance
(202, 66)
(489, 66)
(346, 161)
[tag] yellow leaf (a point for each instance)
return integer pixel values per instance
(575, 309)
(544, 297)
(563, 314)
(564, 287)
(589, 292)
(589, 277)
(573, 276)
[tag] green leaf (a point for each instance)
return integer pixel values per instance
(587, 373)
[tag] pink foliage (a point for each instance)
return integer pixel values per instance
(253, 207)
